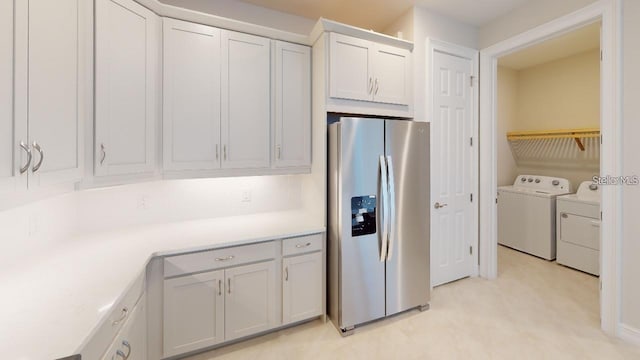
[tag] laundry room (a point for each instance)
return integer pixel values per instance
(548, 152)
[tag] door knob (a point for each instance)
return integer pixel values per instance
(438, 205)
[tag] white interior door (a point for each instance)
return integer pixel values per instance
(452, 213)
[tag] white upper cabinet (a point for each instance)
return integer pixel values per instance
(50, 84)
(9, 150)
(292, 105)
(367, 71)
(127, 41)
(246, 101)
(350, 68)
(191, 96)
(392, 67)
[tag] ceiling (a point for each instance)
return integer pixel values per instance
(378, 14)
(575, 42)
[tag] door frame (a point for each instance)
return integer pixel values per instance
(435, 45)
(609, 12)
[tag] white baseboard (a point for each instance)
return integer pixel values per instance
(629, 333)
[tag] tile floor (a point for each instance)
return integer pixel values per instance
(535, 310)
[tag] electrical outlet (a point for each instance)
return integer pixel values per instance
(246, 196)
(143, 202)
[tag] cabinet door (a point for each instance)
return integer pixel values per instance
(250, 306)
(302, 287)
(293, 105)
(193, 312)
(12, 157)
(55, 86)
(391, 75)
(131, 341)
(127, 49)
(191, 96)
(350, 68)
(246, 101)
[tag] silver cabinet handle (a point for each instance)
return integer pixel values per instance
(120, 354)
(286, 273)
(26, 148)
(298, 246)
(376, 88)
(217, 152)
(229, 285)
(104, 154)
(370, 86)
(278, 152)
(36, 167)
(125, 312)
(219, 287)
(438, 205)
(126, 344)
(226, 258)
(564, 215)
(224, 151)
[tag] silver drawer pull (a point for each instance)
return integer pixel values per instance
(286, 273)
(125, 312)
(226, 258)
(26, 148)
(299, 246)
(120, 354)
(126, 344)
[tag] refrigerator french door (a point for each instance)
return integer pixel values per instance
(378, 219)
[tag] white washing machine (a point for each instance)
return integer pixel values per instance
(527, 214)
(578, 229)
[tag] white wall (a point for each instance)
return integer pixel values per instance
(535, 13)
(525, 17)
(250, 13)
(631, 165)
(560, 94)
(507, 118)
(418, 25)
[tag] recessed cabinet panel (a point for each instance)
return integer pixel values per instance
(8, 149)
(193, 312)
(350, 68)
(250, 304)
(191, 96)
(302, 287)
(392, 67)
(293, 105)
(54, 106)
(246, 101)
(127, 40)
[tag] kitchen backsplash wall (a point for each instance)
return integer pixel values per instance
(38, 225)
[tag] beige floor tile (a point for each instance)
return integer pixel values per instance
(535, 310)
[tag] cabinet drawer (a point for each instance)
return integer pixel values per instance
(216, 259)
(120, 312)
(300, 245)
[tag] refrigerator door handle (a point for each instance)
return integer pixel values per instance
(385, 204)
(391, 204)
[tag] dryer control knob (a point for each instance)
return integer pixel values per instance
(537, 181)
(530, 180)
(555, 182)
(523, 179)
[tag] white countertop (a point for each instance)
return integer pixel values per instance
(54, 299)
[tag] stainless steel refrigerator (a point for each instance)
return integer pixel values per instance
(378, 219)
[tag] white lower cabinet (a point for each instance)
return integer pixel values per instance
(251, 299)
(205, 309)
(131, 342)
(221, 295)
(193, 312)
(301, 287)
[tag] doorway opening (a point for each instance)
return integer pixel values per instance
(610, 163)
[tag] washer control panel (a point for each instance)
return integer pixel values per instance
(543, 183)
